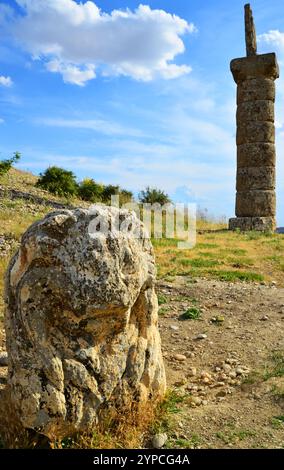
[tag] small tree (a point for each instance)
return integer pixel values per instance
(6, 165)
(111, 190)
(125, 196)
(58, 181)
(153, 195)
(91, 191)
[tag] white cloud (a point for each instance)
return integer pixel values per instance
(97, 125)
(74, 39)
(274, 37)
(72, 73)
(5, 81)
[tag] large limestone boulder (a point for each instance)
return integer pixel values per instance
(81, 319)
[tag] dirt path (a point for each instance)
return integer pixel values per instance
(228, 391)
(231, 397)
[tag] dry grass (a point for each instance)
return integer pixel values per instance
(24, 181)
(126, 428)
(225, 255)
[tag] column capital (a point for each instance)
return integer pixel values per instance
(263, 65)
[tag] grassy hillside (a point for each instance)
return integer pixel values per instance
(221, 255)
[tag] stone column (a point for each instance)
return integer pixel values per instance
(256, 198)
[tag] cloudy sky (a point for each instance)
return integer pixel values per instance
(133, 94)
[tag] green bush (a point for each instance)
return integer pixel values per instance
(153, 195)
(91, 191)
(6, 165)
(111, 190)
(58, 181)
(192, 313)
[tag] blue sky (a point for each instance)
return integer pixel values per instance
(140, 96)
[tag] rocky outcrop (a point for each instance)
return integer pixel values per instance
(81, 319)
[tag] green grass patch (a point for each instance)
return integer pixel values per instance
(192, 443)
(171, 402)
(162, 299)
(277, 368)
(232, 437)
(199, 262)
(206, 245)
(277, 422)
(232, 276)
(164, 242)
(163, 310)
(239, 262)
(207, 254)
(192, 313)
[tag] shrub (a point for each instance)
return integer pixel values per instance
(58, 181)
(6, 165)
(91, 191)
(153, 195)
(111, 190)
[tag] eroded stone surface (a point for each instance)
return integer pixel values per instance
(259, 110)
(260, 224)
(81, 321)
(254, 132)
(259, 66)
(251, 178)
(258, 202)
(259, 155)
(256, 89)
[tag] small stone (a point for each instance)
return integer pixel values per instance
(192, 371)
(226, 368)
(190, 354)
(180, 357)
(221, 377)
(3, 359)
(206, 380)
(201, 336)
(159, 440)
(242, 371)
(204, 402)
(174, 327)
(196, 401)
(264, 318)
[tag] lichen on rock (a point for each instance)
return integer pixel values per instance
(81, 319)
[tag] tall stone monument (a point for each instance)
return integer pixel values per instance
(255, 76)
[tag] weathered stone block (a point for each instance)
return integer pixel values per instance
(260, 224)
(256, 89)
(256, 155)
(263, 65)
(255, 178)
(81, 319)
(253, 132)
(250, 111)
(256, 203)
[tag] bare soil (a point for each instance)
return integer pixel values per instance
(245, 411)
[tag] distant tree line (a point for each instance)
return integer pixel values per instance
(61, 182)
